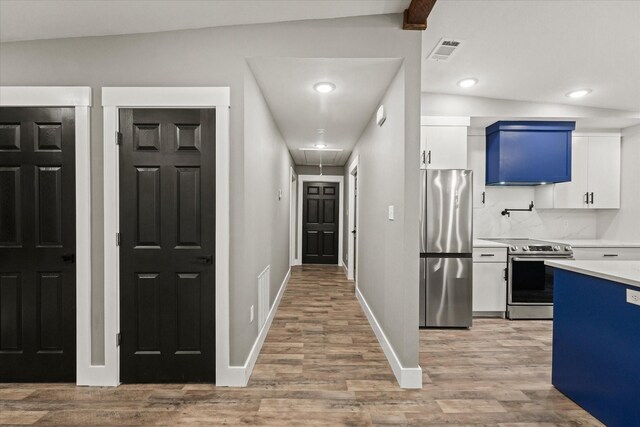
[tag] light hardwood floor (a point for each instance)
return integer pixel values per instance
(321, 365)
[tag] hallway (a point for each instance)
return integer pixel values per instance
(322, 365)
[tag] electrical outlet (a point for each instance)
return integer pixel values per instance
(633, 297)
(251, 314)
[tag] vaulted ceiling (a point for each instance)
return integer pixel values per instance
(538, 50)
(48, 19)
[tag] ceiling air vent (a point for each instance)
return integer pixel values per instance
(445, 49)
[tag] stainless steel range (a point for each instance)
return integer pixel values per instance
(530, 282)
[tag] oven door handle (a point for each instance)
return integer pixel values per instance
(526, 259)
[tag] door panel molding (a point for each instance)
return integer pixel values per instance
(321, 178)
(79, 97)
(114, 98)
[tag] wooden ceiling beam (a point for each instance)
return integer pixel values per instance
(415, 17)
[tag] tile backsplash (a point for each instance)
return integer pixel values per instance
(544, 223)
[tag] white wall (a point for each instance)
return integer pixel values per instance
(539, 224)
(207, 57)
(624, 224)
(387, 256)
(438, 104)
(267, 167)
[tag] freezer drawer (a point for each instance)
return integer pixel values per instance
(449, 293)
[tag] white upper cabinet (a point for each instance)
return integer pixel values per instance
(476, 162)
(571, 195)
(443, 142)
(604, 172)
(595, 176)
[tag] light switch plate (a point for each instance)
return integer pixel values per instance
(633, 297)
(391, 213)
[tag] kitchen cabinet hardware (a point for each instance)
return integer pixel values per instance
(586, 197)
(610, 255)
(424, 155)
(483, 197)
(429, 158)
(591, 201)
(487, 254)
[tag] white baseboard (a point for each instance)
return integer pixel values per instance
(346, 270)
(239, 375)
(406, 377)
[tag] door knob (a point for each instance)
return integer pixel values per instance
(353, 231)
(68, 258)
(208, 259)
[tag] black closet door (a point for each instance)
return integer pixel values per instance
(320, 223)
(37, 245)
(167, 223)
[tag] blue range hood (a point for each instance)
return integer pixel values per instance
(528, 152)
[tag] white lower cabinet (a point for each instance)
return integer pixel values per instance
(490, 287)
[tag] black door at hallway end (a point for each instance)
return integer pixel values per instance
(320, 223)
(167, 241)
(37, 245)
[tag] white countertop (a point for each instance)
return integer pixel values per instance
(480, 243)
(627, 272)
(595, 243)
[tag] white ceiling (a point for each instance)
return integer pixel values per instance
(299, 111)
(49, 19)
(583, 124)
(539, 50)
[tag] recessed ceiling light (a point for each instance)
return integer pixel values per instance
(320, 145)
(579, 93)
(469, 82)
(324, 87)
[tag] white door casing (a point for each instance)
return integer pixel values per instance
(352, 249)
(114, 98)
(293, 201)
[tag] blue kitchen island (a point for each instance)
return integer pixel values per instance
(596, 338)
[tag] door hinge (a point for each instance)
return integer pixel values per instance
(118, 339)
(117, 239)
(118, 138)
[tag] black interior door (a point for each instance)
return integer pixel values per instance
(37, 245)
(320, 223)
(167, 226)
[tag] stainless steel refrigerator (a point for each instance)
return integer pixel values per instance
(446, 242)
